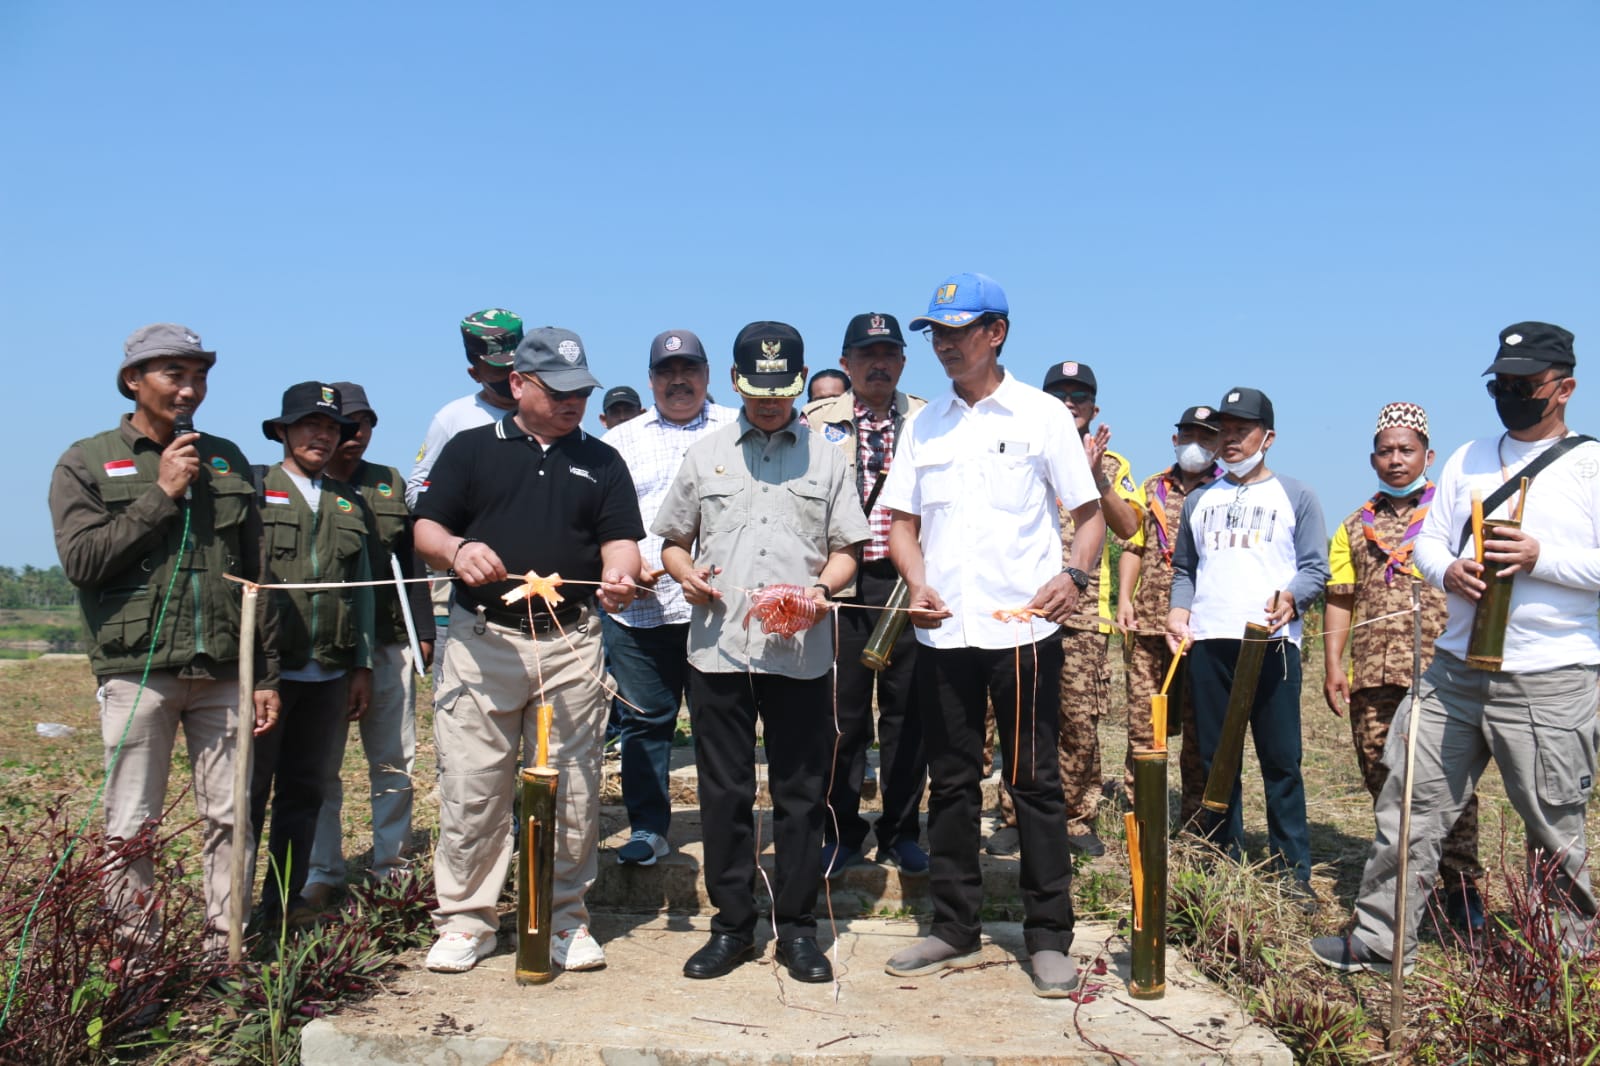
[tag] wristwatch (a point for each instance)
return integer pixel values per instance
(1079, 578)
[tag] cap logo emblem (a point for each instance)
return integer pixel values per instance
(1513, 338)
(192, 338)
(1202, 412)
(673, 343)
(770, 349)
(327, 394)
(570, 351)
(945, 294)
(876, 322)
(1069, 368)
(1233, 397)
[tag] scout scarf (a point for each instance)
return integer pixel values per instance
(1159, 513)
(1399, 558)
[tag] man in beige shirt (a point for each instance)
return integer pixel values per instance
(763, 502)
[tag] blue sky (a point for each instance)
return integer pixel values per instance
(1341, 204)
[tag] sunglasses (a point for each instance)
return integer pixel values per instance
(1517, 388)
(558, 395)
(1074, 396)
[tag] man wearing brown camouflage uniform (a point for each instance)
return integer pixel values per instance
(1144, 575)
(1085, 672)
(1370, 588)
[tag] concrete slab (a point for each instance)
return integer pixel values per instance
(674, 885)
(641, 1010)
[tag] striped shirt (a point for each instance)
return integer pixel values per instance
(654, 448)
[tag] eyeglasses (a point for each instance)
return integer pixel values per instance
(1075, 396)
(1517, 388)
(956, 334)
(559, 395)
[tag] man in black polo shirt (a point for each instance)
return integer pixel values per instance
(531, 492)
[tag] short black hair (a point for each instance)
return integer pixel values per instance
(1413, 429)
(824, 375)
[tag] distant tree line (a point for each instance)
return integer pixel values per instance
(33, 588)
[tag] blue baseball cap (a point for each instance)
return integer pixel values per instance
(960, 298)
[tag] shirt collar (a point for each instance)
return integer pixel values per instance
(791, 429)
(1004, 396)
(653, 417)
(507, 429)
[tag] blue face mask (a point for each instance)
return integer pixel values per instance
(1415, 486)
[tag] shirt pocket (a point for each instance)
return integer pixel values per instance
(280, 529)
(1013, 483)
(390, 515)
(724, 505)
(350, 534)
(807, 508)
(230, 501)
(938, 486)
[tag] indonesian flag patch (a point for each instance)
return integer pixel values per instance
(279, 498)
(121, 468)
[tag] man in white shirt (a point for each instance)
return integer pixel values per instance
(976, 535)
(1251, 547)
(1535, 714)
(647, 644)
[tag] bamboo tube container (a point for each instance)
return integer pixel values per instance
(537, 856)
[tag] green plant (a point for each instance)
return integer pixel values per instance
(1316, 1029)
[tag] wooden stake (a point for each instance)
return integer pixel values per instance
(1477, 526)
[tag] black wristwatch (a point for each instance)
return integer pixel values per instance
(827, 593)
(1079, 578)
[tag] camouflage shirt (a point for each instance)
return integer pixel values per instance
(1155, 568)
(1380, 653)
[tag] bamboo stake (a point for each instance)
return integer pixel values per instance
(243, 748)
(1477, 526)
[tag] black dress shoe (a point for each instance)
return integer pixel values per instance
(721, 954)
(805, 960)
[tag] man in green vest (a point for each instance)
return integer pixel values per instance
(317, 532)
(389, 728)
(149, 522)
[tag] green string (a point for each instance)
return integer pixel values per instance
(116, 754)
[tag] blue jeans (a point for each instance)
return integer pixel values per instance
(650, 667)
(1275, 727)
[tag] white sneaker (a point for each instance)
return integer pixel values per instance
(458, 952)
(575, 949)
(643, 849)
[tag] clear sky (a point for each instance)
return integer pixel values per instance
(1341, 204)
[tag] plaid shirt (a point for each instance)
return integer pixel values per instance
(653, 449)
(875, 451)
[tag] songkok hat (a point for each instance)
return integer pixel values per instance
(1402, 415)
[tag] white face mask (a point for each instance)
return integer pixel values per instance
(1243, 467)
(1193, 457)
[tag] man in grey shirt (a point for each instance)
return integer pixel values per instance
(765, 503)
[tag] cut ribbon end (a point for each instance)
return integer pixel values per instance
(535, 585)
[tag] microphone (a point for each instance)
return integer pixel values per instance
(182, 425)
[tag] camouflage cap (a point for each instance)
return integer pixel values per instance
(492, 336)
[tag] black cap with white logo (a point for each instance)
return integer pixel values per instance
(1529, 348)
(871, 328)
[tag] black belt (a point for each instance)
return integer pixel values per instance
(880, 568)
(542, 622)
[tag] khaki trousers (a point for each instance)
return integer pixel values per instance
(136, 782)
(486, 708)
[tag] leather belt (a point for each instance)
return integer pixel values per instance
(542, 622)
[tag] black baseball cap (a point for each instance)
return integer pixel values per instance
(1251, 405)
(677, 344)
(1202, 416)
(1528, 348)
(871, 328)
(1071, 373)
(770, 359)
(306, 399)
(619, 394)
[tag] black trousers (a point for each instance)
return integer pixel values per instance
(798, 736)
(953, 686)
(902, 763)
(289, 766)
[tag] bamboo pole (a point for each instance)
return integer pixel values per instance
(536, 868)
(243, 749)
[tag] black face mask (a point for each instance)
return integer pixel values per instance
(1520, 412)
(501, 388)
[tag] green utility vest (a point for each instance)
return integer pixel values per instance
(332, 626)
(202, 616)
(385, 492)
